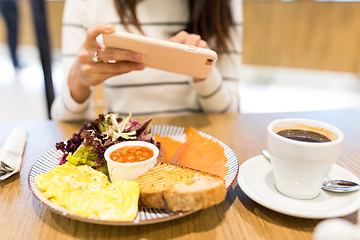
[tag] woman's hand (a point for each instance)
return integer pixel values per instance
(189, 39)
(192, 40)
(86, 72)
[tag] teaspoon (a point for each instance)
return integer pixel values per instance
(331, 185)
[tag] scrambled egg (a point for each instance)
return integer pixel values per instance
(87, 192)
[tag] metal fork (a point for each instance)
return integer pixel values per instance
(4, 168)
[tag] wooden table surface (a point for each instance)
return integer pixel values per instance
(22, 216)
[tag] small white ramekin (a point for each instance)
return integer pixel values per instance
(129, 171)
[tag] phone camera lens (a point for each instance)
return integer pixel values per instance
(208, 62)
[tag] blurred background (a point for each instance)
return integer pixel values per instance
(297, 56)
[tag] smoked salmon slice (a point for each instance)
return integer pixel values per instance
(169, 145)
(197, 152)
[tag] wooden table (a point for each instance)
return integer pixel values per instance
(22, 216)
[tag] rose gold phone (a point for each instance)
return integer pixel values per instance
(165, 55)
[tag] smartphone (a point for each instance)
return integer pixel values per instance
(165, 55)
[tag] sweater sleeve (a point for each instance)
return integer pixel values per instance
(74, 27)
(219, 91)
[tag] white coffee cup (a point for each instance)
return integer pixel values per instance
(300, 167)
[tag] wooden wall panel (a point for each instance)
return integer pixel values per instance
(301, 34)
(314, 35)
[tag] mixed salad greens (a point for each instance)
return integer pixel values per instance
(88, 146)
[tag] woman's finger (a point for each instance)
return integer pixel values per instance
(189, 39)
(192, 40)
(111, 68)
(108, 54)
(96, 30)
(104, 55)
(202, 44)
(93, 74)
(179, 37)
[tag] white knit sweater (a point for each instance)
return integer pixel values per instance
(150, 91)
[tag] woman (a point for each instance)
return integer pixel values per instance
(128, 85)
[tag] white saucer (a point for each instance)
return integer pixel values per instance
(256, 179)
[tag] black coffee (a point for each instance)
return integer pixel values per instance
(304, 135)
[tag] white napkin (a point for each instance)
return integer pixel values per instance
(11, 153)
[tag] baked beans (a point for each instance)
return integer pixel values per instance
(131, 154)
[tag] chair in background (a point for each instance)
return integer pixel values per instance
(42, 37)
(9, 11)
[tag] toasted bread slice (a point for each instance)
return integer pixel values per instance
(177, 188)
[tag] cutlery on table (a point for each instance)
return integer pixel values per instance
(11, 153)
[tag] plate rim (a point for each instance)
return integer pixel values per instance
(172, 215)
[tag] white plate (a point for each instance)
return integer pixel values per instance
(146, 215)
(256, 179)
